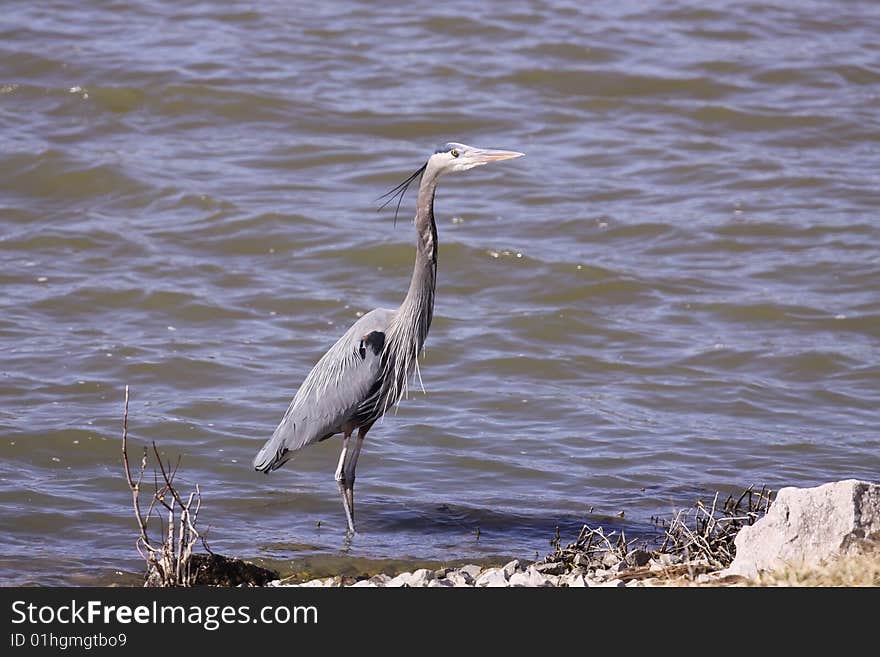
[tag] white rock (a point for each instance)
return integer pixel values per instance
(611, 583)
(471, 570)
(381, 579)
(421, 577)
(459, 579)
(328, 581)
(418, 578)
(434, 583)
(573, 580)
(364, 583)
(616, 568)
(530, 578)
(806, 526)
(662, 562)
(402, 579)
(491, 577)
(512, 567)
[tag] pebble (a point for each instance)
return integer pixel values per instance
(517, 573)
(418, 578)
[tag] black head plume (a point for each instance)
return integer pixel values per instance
(400, 190)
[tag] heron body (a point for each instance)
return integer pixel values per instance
(366, 372)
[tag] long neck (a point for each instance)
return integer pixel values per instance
(406, 335)
(418, 306)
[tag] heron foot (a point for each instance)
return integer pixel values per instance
(346, 490)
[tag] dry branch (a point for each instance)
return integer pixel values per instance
(699, 538)
(169, 558)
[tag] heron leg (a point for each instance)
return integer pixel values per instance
(350, 467)
(343, 484)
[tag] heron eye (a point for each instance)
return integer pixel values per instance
(453, 152)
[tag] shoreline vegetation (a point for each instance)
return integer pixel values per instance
(695, 547)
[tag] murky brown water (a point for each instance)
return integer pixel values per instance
(676, 291)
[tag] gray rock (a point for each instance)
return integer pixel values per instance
(443, 583)
(611, 583)
(471, 570)
(440, 573)
(638, 558)
(616, 568)
(491, 577)
(662, 562)
(512, 567)
(610, 559)
(552, 568)
(552, 580)
(808, 526)
(381, 579)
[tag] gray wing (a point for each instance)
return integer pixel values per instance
(331, 393)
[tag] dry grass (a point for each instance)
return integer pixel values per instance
(858, 570)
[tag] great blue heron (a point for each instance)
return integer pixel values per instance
(367, 370)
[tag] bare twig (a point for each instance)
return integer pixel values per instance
(701, 538)
(170, 563)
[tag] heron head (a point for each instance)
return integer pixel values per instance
(461, 157)
(449, 157)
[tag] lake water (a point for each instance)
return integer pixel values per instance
(676, 291)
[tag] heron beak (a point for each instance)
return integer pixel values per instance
(484, 155)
